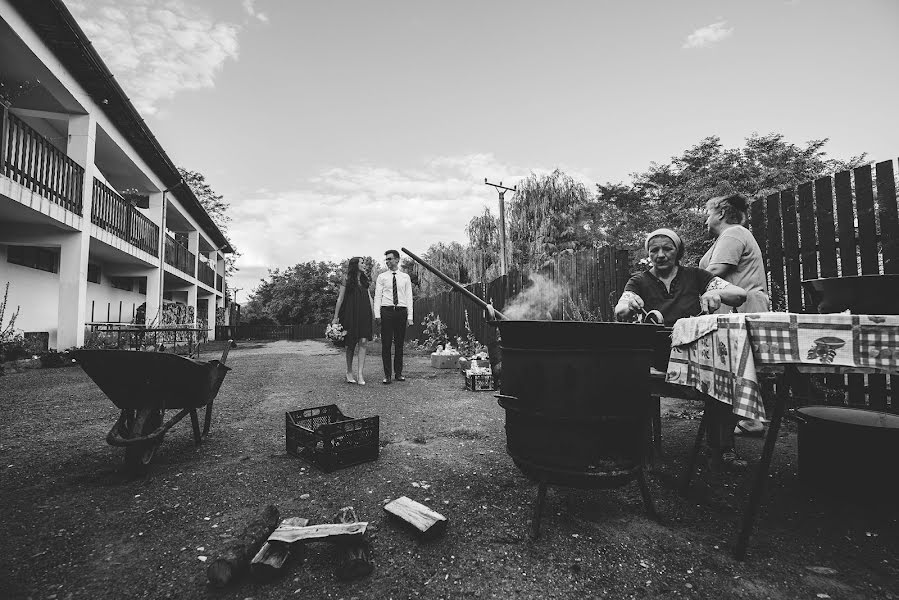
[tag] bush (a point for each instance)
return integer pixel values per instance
(435, 333)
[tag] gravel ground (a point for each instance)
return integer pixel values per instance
(76, 525)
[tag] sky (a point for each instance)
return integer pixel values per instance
(345, 128)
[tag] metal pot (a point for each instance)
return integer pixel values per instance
(849, 451)
(860, 294)
(575, 396)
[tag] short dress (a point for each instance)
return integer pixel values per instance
(355, 313)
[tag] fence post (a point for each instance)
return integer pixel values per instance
(3, 135)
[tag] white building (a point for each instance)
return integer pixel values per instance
(74, 251)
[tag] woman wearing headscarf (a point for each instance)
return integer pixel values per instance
(735, 256)
(678, 292)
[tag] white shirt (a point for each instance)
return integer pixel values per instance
(384, 292)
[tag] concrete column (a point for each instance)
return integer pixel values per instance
(154, 298)
(153, 295)
(212, 302)
(75, 248)
(192, 301)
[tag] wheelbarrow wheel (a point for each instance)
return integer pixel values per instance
(145, 422)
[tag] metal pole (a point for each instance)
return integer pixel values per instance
(502, 222)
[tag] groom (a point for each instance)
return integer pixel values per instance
(393, 310)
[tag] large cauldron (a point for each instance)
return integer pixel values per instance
(860, 294)
(575, 396)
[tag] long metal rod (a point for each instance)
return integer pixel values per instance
(485, 305)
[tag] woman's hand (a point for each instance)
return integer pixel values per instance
(335, 320)
(710, 301)
(628, 305)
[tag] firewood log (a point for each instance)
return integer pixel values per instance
(271, 559)
(429, 524)
(353, 554)
(235, 560)
(329, 532)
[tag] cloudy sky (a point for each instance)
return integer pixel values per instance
(349, 127)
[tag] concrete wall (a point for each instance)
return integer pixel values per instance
(102, 296)
(35, 292)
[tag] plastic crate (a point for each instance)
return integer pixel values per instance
(479, 382)
(330, 440)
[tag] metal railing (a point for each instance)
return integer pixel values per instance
(32, 160)
(111, 212)
(206, 274)
(180, 257)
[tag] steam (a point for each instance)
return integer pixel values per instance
(537, 302)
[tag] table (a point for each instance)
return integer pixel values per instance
(722, 355)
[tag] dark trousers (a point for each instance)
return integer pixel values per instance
(393, 332)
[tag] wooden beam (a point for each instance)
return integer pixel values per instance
(429, 524)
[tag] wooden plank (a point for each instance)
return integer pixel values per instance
(602, 286)
(759, 231)
(827, 246)
(622, 269)
(808, 246)
(429, 523)
(326, 531)
(775, 252)
(867, 225)
(791, 250)
(889, 240)
(827, 255)
(867, 244)
(848, 258)
(889, 221)
(846, 223)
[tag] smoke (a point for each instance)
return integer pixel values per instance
(537, 302)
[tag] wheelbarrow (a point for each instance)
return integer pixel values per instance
(146, 384)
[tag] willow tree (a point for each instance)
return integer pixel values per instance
(447, 258)
(482, 252)
(545, 218)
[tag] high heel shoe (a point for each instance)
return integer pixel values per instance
(350, 379)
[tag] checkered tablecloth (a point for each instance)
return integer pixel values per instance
(725, 361)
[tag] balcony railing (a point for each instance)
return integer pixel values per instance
(113, 213)
(206, 274)
(218, 282)
(30, 159)
(179, 257)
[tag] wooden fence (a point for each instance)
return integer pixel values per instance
(841, 225)
(589, 280)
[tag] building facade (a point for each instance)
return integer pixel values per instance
(96, 225)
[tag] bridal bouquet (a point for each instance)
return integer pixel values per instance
(335, 332)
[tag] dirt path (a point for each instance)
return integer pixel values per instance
(75, 526)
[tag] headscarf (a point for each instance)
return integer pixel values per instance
(668, 233)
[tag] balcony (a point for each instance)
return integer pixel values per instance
(29, 159)
(206, 274)
(111, 212)
(179, 257)
(219, 283)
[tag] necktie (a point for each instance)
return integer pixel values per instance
(396, 296)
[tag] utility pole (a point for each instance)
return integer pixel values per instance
(502, 221)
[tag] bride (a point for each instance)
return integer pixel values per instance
(354, 311)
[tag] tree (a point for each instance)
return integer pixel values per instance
(545, 217)
(217, 208)
(302, 294)
(674, 194)
(446, 258)
(482, 251)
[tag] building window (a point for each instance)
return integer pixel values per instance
(142, 285)
(44, 259)
(122, 283)
(93, 273)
